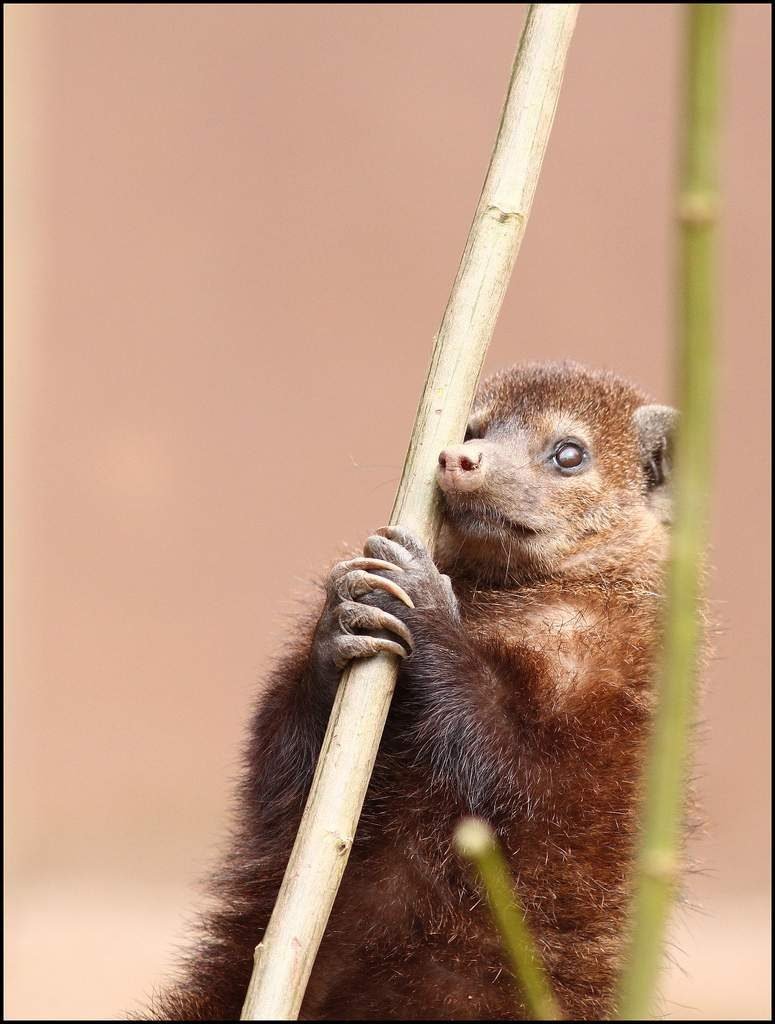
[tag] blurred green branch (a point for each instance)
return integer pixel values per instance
(666, 774)
(476, 841)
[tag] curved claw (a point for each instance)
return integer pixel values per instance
(357, 582)
(365, 563)
(348, 647)
(353, 615)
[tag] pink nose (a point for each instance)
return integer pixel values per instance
(460, 468)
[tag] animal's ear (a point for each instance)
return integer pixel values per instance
(655, 428)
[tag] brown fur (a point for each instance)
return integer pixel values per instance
(530, 709)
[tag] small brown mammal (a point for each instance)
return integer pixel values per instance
(524, 697)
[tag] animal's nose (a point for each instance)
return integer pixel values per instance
(459, 458)
(460, 468)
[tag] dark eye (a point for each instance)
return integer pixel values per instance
(568, 455)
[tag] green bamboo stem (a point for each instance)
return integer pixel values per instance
(667, 766)
(476, 842)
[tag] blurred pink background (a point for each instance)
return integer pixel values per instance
(231, 233)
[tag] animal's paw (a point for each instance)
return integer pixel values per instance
(370, 600)
(425, 585)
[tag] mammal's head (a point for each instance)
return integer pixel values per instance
(563, 469)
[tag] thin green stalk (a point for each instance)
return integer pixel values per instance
(667, 766)
(476, 841)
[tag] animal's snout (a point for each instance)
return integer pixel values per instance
(452, 459)
(460, 468)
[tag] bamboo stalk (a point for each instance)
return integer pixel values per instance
(476, 841)
(666, 772)
(284, 958)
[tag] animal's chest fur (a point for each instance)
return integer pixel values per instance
(568, 687)
(571, 648)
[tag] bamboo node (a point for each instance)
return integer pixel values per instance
(661, 865)
(342, 843)
(698, 207)
(502, 216)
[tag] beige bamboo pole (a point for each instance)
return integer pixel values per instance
(284, 958)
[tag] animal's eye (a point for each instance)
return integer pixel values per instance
(568, 455)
